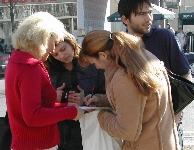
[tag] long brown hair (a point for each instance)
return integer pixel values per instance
(53, 64)
(128, 51)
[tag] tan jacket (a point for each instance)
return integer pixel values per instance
(144, 123)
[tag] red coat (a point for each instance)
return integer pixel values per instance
(30, 101)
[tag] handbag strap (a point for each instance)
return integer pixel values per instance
(178, 77)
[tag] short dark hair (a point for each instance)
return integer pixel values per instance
(126, 7)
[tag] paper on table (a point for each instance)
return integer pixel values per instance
(89, 108)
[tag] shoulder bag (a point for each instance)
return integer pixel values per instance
(5, 133)
(182, 91)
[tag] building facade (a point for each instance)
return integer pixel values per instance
(176, 6)
(182, 6)
(78, 16)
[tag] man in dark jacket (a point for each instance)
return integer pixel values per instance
(138, 17)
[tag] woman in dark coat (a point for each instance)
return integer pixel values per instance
(64, 67)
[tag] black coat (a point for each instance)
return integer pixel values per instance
(86, 78)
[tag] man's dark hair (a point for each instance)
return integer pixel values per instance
(126, 7)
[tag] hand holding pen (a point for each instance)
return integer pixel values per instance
(93, 91)
(90, 99)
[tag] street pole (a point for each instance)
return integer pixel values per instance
(11, 6)
(12, 15)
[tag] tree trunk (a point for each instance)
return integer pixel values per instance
(12, 15)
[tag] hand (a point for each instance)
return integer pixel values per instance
(76, 97)
(72, 104)
(80, 114)
(60, 92)
(91, 101)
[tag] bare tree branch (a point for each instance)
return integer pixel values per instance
(16, 2)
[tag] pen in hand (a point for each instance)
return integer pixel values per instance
(93, 91)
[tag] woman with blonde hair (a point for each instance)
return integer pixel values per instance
(137, 88)
(30, 96)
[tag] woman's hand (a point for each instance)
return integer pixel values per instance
(97, 100)
(72, 104)
(90, 100)
(60, 92)
(80, 112)
(76, 97)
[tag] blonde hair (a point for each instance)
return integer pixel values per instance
(127, 51)
(33, 34)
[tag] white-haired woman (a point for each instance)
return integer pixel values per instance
(30, 96)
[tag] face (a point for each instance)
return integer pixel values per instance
(140, 23)
(53, 42)
(64, 52)
(101, 63)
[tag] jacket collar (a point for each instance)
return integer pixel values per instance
(148, 34)
(23, 58)
(110, 71)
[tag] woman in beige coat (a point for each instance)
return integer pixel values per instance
(137, 88)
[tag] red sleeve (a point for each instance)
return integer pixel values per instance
(60, 105)
(38, 99)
